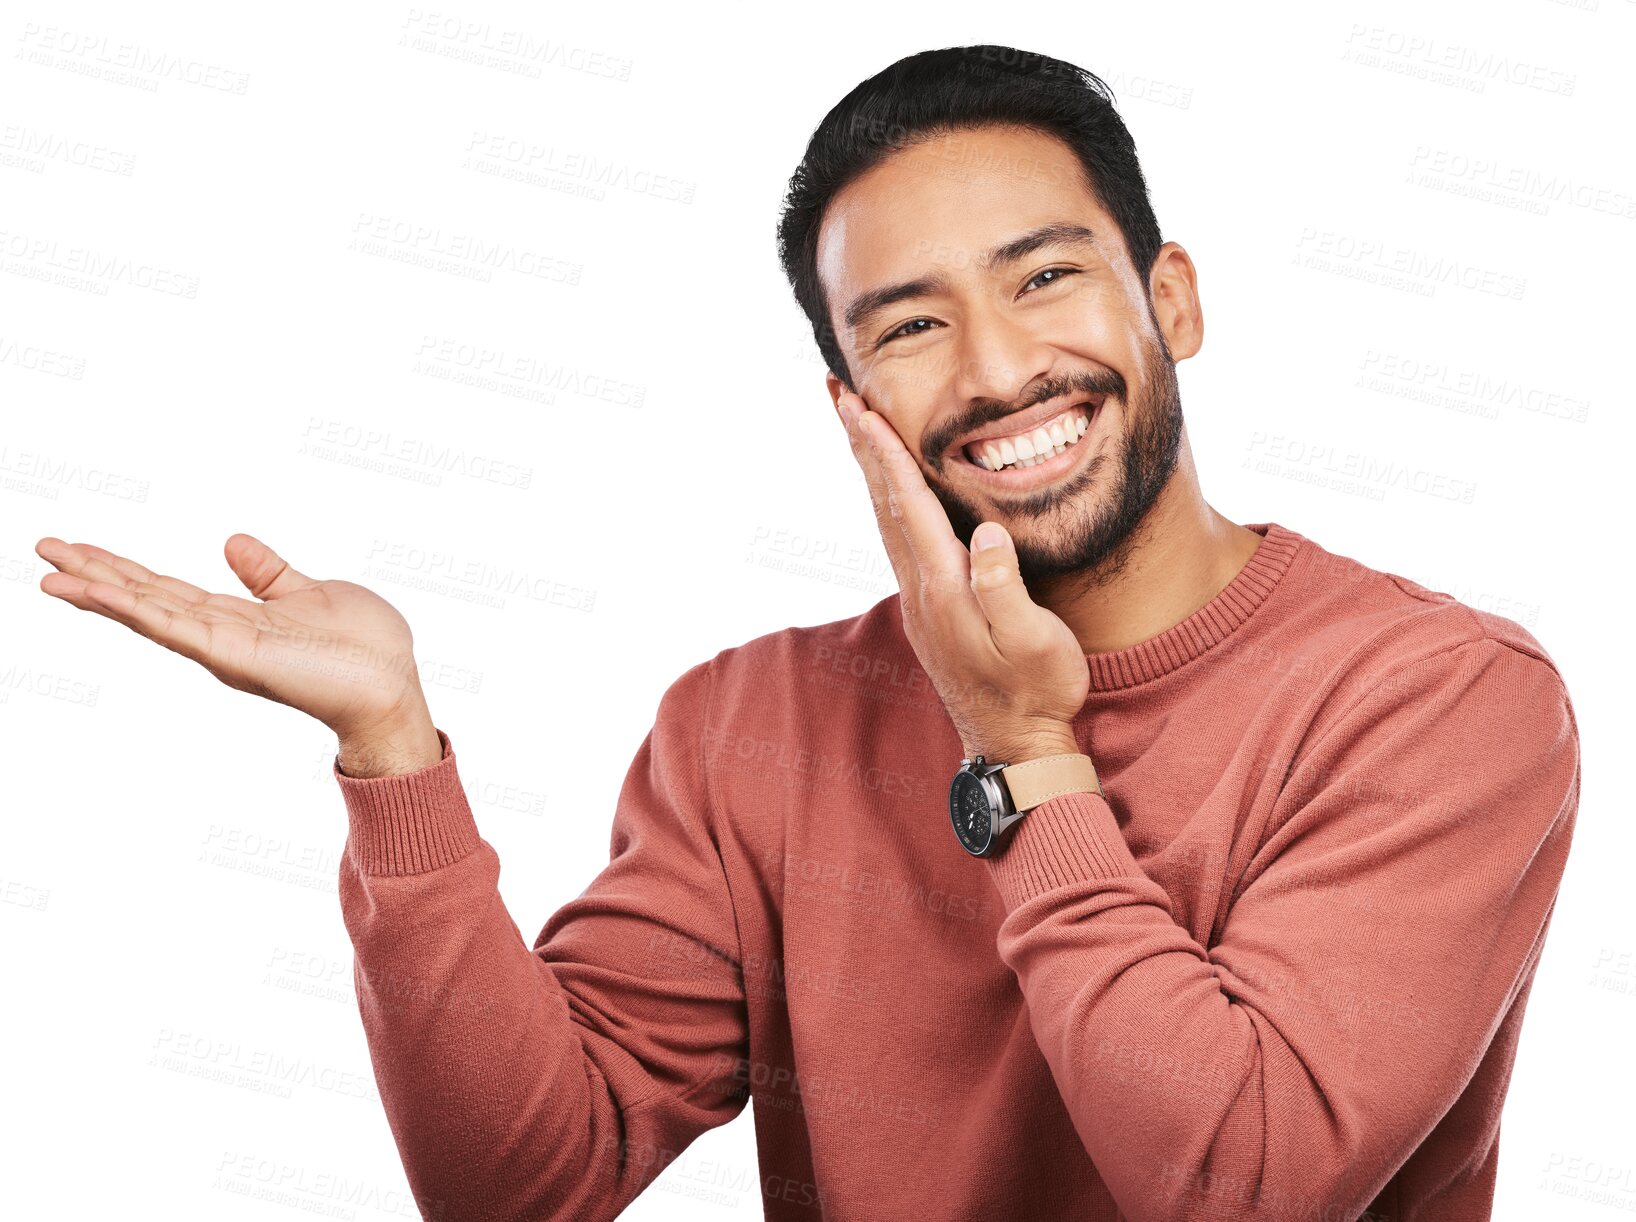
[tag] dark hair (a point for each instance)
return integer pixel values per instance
(924, 95)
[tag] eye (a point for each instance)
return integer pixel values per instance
(904, 330)
(1056, 274)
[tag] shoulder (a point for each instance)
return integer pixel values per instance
(802, 662)
(1370, 622)
(1351, 645)
(811, 696)
(1425, 697)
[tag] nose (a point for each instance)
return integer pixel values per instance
(998, 355)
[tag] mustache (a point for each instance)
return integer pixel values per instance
(986, 411)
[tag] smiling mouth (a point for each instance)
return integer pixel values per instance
(1034, 446)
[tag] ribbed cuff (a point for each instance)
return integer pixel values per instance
(410, 822)
(1064, 840)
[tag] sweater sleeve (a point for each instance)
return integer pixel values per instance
(554, 1082)
(1372, 947)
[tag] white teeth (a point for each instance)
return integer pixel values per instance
(1033, 448)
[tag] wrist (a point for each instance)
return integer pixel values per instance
(406, 744)
(1018, 750)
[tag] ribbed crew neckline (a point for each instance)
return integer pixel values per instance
(1209, 625)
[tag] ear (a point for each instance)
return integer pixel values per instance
(836, 389)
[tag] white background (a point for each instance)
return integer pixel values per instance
(169, 847)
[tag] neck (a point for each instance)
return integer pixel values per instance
(1179, 557)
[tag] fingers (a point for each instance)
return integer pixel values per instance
(92, 579)
(910, 515)
(83, 561)
(73, 589)
(182, 590)
(169, 625)
(897, 547)
(93, 563)
(997, 582)
(79, 564)
(262, 570)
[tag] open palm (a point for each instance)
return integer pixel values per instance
(332, 649)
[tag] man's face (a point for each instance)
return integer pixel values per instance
(981, 294)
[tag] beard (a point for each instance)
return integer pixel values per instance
(1066, 529)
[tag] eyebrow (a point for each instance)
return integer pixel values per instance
(866, 305)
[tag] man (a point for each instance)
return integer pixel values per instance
(1130, 863)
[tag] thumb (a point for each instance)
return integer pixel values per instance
(262, 570)
(997, 582)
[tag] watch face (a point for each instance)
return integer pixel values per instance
(969, 809)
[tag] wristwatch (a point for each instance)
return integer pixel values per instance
(986, 800)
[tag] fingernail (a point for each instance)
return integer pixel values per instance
(987, 535)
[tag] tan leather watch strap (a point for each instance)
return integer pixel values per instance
(1034, 781)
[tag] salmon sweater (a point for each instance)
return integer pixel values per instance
(1277, 972)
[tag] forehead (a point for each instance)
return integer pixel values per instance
(939, 204)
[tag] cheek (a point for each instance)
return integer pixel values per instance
(916, 375)
(904, 405)
(1094, 314)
